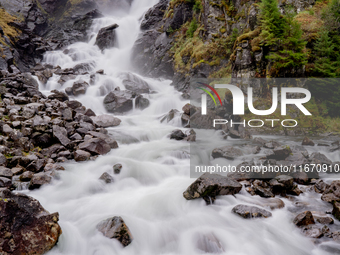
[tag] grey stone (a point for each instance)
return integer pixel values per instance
(116, 228)
(248, 212)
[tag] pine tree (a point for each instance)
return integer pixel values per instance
(326, 63)
(291, 54)
(272, 22)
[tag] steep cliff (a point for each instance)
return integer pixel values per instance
(221, 38)
(29, 28)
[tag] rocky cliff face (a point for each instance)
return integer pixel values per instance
(29, 28)
(204, 39)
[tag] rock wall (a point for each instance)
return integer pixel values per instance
(230, 26)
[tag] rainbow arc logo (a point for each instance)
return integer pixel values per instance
(213, 90)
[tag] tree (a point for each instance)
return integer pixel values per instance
(272, 22)
(327, 59)
(331, 16)
(291, 47)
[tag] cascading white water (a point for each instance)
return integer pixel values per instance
(148, 192)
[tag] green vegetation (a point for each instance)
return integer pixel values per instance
(9, 31)
(192, 28)
(285, 33)
(327, 60)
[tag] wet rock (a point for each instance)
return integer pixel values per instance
(234, 134)
(300, 178)
(74, 104)
(89, 113)
(106, 37)
(95, 146)
(117, 168)
(248, 212)
(324, 220)
(79, 88)
(209, 243)
(286, 180)
(26, 176)
(170, 115)
(262, 191)
(17, 170)
(272, 203)
(177, 135)
(82, 68)
(320, 186)
(5, 183)
(80, 155)
(3, 160)
(39, 179)
(280, 153)
(116, 228)
(134, 83)
(227, 152)
(107, 178)
(191, 136)
(307, 142)
(106, 121)
(319, 158)
(61, 134)
(53, 167)
(36, 165)
(23, 216)
(67, 114)
(332, 193)
(212, 185)
(187, 109)
(7, 129)
(122, 101)
(61, 96)
(336, 210)
(154, 15)
(314, 231)
(108, 139)
(304, 219)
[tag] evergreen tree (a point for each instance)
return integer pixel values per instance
(272, 22)
(331, 16)
(327, 59)
(291, 53)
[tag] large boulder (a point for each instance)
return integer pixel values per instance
(25, 226)
(95, 146)
(39, 179)
(307, 142)
(212, 185)
(106, 37)
(304, 219)
(106, 120)
(59, 95)
(80, 155)
(134, 83)
(108, 138)
(332, 192)
(61, 134)
(177, 135)
(247, 212)
(116, 228)
(79, 87)
(123, 101)
(227, 152)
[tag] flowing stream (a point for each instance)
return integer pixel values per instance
(147, 193)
